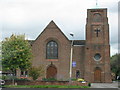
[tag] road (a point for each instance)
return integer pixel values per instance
(104, 85)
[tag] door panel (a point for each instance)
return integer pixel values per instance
(97, 75)
(51, 72)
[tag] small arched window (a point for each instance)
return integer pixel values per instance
(97, 17)
(52, 50)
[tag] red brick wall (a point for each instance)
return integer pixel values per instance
(95, 45)
(52, 32)
(46, 83)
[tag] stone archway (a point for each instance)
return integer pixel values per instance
(97, 75)
(51, 72)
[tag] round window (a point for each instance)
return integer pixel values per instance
(97, 57)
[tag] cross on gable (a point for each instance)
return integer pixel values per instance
(97, 31)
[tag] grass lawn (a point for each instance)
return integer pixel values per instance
(44, 86)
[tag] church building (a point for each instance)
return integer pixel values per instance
(90, 57)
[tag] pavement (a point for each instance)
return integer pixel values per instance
(104, 85)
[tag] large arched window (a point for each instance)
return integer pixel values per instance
(52, 50)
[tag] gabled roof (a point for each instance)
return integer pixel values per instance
(51, 25)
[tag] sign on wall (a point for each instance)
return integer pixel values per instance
(73, 64)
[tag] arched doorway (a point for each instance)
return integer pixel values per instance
(51, 72)
(97, 75)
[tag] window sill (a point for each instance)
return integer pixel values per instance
(52, 59)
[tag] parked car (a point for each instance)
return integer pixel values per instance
(2, 82)
(81, 80)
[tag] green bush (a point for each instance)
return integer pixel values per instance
(22, 79)
(49, 79)
(7, 77)
(0, 77)
(4, 77)
(74, 79)
(36, 72)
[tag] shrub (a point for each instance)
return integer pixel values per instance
(49, 79)
(7, 77)
(4, 77)
(74, 79)
(22, 79)
(36, 72)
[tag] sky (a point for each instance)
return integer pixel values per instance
(30, 17)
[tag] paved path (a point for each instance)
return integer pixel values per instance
(104, 85)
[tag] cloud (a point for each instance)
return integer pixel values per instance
(114, 49)
(32, 16)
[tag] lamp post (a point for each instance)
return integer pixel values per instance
(71, 55)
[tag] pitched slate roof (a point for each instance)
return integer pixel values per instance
(78, 42)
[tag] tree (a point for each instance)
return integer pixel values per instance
(16, 53)
(115, 64)
(36, 72)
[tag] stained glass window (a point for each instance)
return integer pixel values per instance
(97, 56)
(52, 50)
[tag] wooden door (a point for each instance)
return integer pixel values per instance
(51, 72)
(97, 75)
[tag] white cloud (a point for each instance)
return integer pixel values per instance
(114, 49)
(21, 11)
(31, 16)
(15, 15)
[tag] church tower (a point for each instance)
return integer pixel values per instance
(97, 56)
